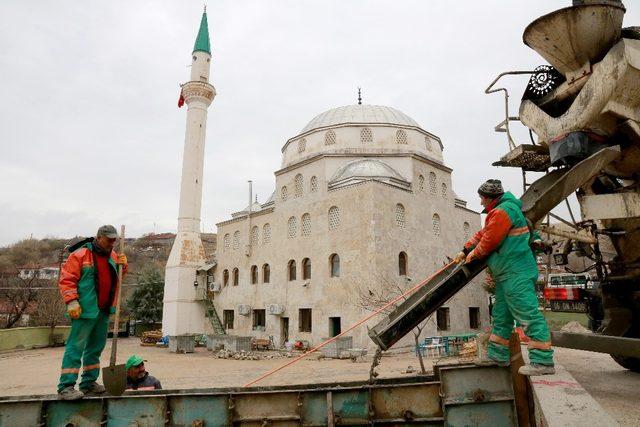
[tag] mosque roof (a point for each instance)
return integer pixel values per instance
(202, 40)
(360, 114)
(367, 170)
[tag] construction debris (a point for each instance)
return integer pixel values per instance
(150, 338)
(250, 355)
(575, 327)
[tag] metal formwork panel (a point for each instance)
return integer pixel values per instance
(314, 408)
(143, 411)
(492, 414)
(85, 413)
(411, 402)
(13, 414)
(193, 410)
(350, 407)
(273, 408)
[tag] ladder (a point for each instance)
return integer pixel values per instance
(212, 314)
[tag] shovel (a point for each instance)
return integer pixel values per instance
(115, 376)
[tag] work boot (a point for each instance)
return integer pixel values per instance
(487, 361)
(93, 389)
(536, 369)
(70, 393)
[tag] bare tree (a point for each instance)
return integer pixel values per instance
(383, 291)
(18, 293)
(51, 310)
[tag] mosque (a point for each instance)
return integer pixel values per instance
(363, 206)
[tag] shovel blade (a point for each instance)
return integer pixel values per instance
(115, 379)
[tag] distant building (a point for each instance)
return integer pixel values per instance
(42, 273)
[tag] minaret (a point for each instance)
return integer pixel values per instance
(181, 313)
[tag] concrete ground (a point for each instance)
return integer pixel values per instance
(36, 372)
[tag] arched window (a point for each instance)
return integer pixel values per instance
(291, 270)
(334, 265)
(436, 224)
(314, 184)
(254, 274)
(432, 182)
(236, 277)
(329, 137)
(400, 215)
(421, 183)
(444, 190)
(427, 143)
(306, 224)
(401, 136)
(402, 264)
(366, 135)
(334, 217)
(226, 242)
(236, 240)
(284, 193)
(255, 236)
(266, 233)
(302, 145)
(298, 186)
(266, 273)
(292, 227)
(465, 230)
(306, 269)
(225, 277)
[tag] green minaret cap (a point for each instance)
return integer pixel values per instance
(202, 41)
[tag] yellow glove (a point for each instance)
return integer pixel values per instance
(472, 255)
(459, 258)
(122, 260)
(73, 309)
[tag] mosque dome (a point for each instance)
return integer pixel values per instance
(360, 114)
(367, 169)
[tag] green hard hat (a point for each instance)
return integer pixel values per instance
(133, 361)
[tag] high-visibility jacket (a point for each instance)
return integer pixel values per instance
(504, 240)
(78, 280)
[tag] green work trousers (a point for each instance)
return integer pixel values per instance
(84, 346)
(515, 300)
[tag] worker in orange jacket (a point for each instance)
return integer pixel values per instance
(88, 285)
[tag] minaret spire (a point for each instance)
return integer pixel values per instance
(359, 96)
(182, 312)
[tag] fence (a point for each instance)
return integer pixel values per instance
(31, 337)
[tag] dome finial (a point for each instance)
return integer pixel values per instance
(359, 96)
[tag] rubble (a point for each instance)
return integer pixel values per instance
(251, 355)
(575, 327)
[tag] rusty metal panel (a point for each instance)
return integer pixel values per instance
(14, 414)
(490, 414)
(468, 384)
(143, 411)
(276, 408)
(407, 401)
(351, 407)
(314, 408)
(85, 413)
(199, 410)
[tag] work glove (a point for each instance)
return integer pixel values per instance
(471, 257)
(460, 257)
(122, 260)
(73, 309)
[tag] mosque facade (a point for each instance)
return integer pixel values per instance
(363, 208)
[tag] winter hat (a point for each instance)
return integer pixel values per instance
(491, 189)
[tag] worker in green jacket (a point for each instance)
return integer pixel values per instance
(88, 285)
(504, 243)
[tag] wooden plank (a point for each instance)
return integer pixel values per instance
(520, 384)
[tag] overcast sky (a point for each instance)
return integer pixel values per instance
(90, 132)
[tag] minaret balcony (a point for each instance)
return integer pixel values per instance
(198, 91)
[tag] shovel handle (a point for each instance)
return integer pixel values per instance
(116, 320)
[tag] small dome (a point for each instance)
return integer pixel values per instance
(366, 168)
(360, 114)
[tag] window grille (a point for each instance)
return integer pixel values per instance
(334, 218)
(306, 224)
(236, 240)
(421, 183)
(329, 137)
(292, 227)
(427, 143)
(255, 236)
(302, 145)
(226, 242)
(266, 233)
(298, 186)
(401, 136)
(284, 193)
(366, 135)
(444, 190)
(314, 184)
(436, 224)
(432, 182)
(465, 229)
(400, 215)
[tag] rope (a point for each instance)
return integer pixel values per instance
(360, 322)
